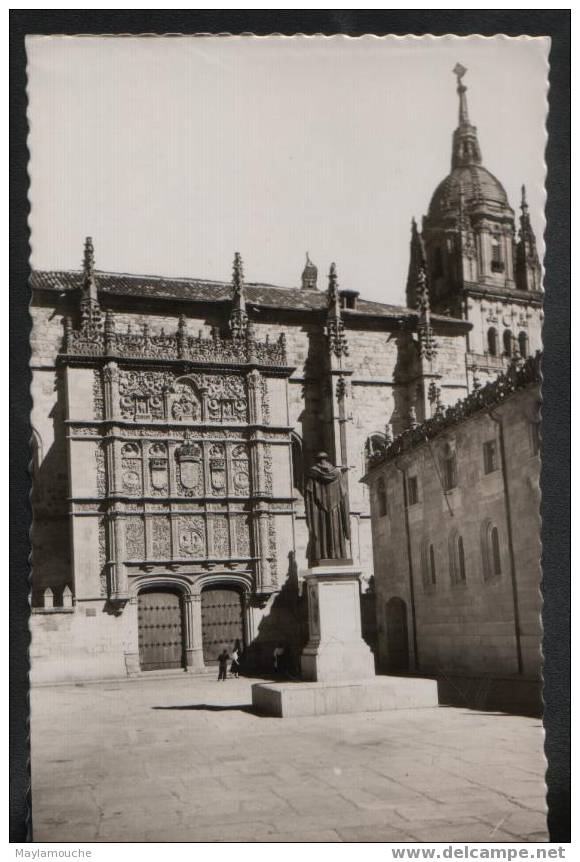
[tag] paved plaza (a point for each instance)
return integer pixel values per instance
(183, 758)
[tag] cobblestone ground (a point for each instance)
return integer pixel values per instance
(182, 759)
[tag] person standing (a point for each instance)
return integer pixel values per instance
(223, 659)
(236, 656)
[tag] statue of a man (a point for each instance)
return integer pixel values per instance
(327, 511)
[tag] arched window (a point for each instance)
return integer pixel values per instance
(492, 341)
(507, 342)
(490, 551)
(297, 463)
(382, 497)
(496, 254)
(523, 344)
(456, 559)
(449, 469)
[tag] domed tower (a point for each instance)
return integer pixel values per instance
(476, 268)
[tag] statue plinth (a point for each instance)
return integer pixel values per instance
(335, 650)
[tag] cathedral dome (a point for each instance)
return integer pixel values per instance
(472, 182)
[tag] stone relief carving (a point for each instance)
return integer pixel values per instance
(84, 431)
(158, 468)
(226, 398)
(100, 468)
(160, 538)
(189, 458)
(103, 556)
(241, 469)
(268, 481)
(220, 536)
(191, 536)
(217, 469)
(131, 468)
(98, 398)
(273, 553)
(242, 534)
(185, 402)
(265, 401)
(141, 394)
(135, 539)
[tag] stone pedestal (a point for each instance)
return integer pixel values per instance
(335, 650)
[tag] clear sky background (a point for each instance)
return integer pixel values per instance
(175, 152)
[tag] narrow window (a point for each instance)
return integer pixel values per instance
(456, 559)
(382, 497)
(433, 571)
(507, 342)
(461, 560)
(523, 344)
(449, 471)
(297, 464)
(490, 456)
(496, 255)
(495, 555)
(492, 341)
(413, 490)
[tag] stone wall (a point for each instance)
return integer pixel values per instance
(463, 626)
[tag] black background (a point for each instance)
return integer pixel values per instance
(556, 333)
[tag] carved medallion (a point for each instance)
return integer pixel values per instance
(191, 537)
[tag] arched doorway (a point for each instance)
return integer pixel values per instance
(397, 635)
(222, 619)
(161, 629)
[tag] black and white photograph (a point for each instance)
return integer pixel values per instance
(286, 302)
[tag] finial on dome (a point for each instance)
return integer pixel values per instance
(524, 203)
(459, 71)
(466, 150)
(309, 275)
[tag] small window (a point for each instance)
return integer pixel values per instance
(523, 344)
(490, 456)
(535, 437)
(496, 254)
(456, 559)
(492, 341)
(432, 569)
(382, 497)
(507, 343)
(461, 559)
(495, 555)
(413, 490)
(449, 471)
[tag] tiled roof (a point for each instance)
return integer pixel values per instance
(199, 290)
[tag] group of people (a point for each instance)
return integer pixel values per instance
(224, 658)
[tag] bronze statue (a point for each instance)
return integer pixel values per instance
(327, 511)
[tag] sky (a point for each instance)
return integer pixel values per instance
(175, 152)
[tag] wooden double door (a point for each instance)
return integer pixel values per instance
(222, 620)
(161, 630)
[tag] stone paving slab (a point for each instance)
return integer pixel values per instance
(185, 759)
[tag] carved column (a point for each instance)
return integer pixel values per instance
(264, 573)
(193, 633)
(117, 574)
(255, 397)
(111, 390)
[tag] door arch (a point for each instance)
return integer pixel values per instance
(397, 635)
(161, 628)
(222, 618)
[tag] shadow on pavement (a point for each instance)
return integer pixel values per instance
(213, 707)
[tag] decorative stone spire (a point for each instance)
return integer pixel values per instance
(465, 144)
(91, 317)
(528, 272)
(309, 275)
(417, 261)
(334, 321)
(427, 347)
(238, 315)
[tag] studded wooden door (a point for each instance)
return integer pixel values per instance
(221, 621)
(160, 630)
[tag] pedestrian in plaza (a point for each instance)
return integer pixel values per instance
(279, 657)
(223, 659)
(236, 658)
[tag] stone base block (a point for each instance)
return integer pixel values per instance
(334, 662)
(290, 700)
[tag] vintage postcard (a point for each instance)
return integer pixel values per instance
(286, 301)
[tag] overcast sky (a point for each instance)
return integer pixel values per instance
(175, 152)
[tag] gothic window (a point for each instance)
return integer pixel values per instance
(158, 467)
(432, 569)
(241, 469)
(523, 344)
(456, 559)
(382, 497)
(490, 551)
(492, 341)
(490, 456)
(131, 468)
(497, 264)
(507, 342)
(413, 490)
(297, 464)
(449, 470)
